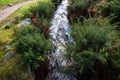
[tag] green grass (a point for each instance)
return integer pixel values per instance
(5, 37)
(10, 1)
(17, 13)
(13, 1)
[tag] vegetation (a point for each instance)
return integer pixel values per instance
(32, 46)
(17, 15)
(95, 51)
(31, 42)
(42, 9)
(79, 9)
(112, 9)
(35, 34)
(13, 70)
(40, 15)
(56, 2)
(5, 38)
(10, 1)
(97, 42)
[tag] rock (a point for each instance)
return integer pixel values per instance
(9, 5)
(7, 48)
(29, 71)
(8, 55)
(24, 22)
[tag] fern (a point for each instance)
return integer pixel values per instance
(31, 46)
(94, 49)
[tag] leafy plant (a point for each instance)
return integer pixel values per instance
(56, 2)
(12, 67)
(31, 47)
(79, 8)
(41, 9)
(23, 31)
(95, 44)
(111, 9)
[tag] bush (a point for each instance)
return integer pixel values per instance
(41, 9)
(13, 70)
(96, 43)
(31, 47)
(81, 5)
(112, 9)
(23, 31)
(79, 8)
(56, 2)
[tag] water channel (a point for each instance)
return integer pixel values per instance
(60, 36)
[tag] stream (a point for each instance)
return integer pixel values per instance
(60, 35)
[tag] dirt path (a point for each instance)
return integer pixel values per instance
(9, 10)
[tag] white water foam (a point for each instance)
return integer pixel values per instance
(60, 35)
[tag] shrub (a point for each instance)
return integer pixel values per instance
(31, 47)
(13, 70)
(79, 8)
(112, 8)
(96, 43)
(23, 31)
(41, 9)
(56, 2)
(81, 5)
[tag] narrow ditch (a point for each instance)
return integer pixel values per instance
(60, 35)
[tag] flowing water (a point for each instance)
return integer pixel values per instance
(60, 33)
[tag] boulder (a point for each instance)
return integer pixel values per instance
(8, 55)
(24, 22)
(10, 5)
(7, 48)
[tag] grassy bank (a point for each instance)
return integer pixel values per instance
(19, 63)
(7, 33)
(3, 2)
(17, 13)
